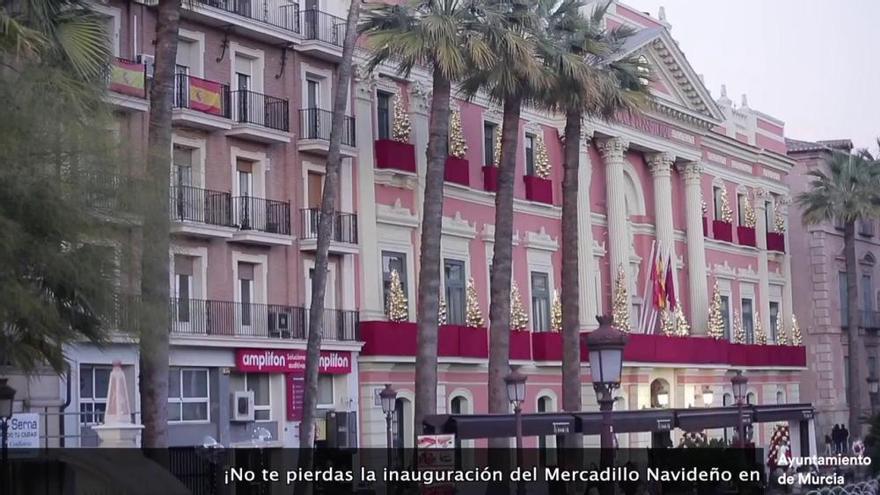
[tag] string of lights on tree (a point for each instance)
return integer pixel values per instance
(556, 313)
(441, 312)
(739, 333)
(474, 315)
(779, 220)
(795, 331)
(519, 320)
(682, 327)
(781, 337)
(716, 319)
(496, 155)
(542, 159)
(750, 218)
(667, 323)
(401, 129)
(726, 212)
(779, 441)
(620, 308)
(760, 334)
(457, 144)
(398, 309)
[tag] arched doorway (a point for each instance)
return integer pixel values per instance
(661, 398)
(403, 423)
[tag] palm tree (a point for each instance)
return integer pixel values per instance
(156, 233)
(330, 196)
(443, 35)
(847, 191)
(590, 79)
(514, 78)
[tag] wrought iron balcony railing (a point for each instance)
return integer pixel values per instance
(202, 95)
(259, 109)
(194, 204)
(321, 26)
(344, 226)
(265, 215)
(279, 13)
(315, 124)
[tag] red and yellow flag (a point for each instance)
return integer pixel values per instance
(128, 78)
(204, 96)
(657, 289)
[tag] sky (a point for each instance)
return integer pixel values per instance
(814, 64)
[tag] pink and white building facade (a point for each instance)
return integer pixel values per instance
(247, 174)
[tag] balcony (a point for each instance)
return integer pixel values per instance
(388, 338)
(322, 35)
(261, 221)
(201, 212)
(200, 103)
(266, 20)
(344, 236)
(314, 137)
(259, 117)
(211, 318)
(127, 84)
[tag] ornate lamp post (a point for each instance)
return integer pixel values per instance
(7, 398)
(388, 397)
(605, 346)
(739, 383)
(873, 390)
(708, 397)
(516, 394)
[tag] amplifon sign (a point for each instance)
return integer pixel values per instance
(290, 361)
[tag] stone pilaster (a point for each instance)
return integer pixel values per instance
(613, 152)
(419, 105)
(759, 197)
(698, 292)
(371, 281)
(586, 265)
(787, 297)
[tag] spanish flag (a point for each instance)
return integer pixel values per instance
(657, 288)
(128, 78)
(204, 96)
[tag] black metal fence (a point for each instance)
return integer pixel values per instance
(202, 95)
(321, 26)
(259, 109)
(195, 204)
(278, 13)
(344, 226)
(315, 124)
(226, 318)
(265, 215)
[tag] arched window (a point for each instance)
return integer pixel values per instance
(751, 398)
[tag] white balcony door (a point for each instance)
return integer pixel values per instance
(187, 317)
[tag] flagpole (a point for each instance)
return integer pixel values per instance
(643, 314)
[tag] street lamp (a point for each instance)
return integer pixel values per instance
(708, 397)
(739, 383)
(7, 398)
(516, 394)
(388, 396)
(605, 345)
(873, 390)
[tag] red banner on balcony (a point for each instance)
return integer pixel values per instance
(205, 96)
(128, 78)
(290, 361)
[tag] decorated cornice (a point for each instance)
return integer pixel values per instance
(541, 240)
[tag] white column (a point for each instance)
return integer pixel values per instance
(419, 106)
(613, 151)
(696, 250)
(586, 265)
(760, 197)
(371, 281)
(660, 165)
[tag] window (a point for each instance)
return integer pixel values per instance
(392, 261)
(456, 307)
(259, 384)
(716, 198)
(383, 114)
(774, 317)
(872, 366)
(489, 130)
(313, 93)
(748, 321)
(540, 302)
(94, 382)
(530, 154)
(183, 165)
(725, 315)
(844, 299)
(325, 391)
(246, 290)
(866, 228)
(313, 104)
(750, 398)
(183, 275)
(769, 213)
(188, 396)
(741, 208)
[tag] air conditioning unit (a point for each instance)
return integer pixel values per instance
(149, 61)
(279, 324)
(243, 406)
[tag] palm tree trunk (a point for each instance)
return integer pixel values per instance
(326, 218)
(571, 349)
(429, 255)
(854, 323)
(499, 307)
(154, 261)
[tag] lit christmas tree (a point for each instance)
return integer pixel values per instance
(716, 319)
(457, 144)
(751, 219)
(556, 313)
(781, 337)
(474, 316)
(704, 207)
(726, 212)
(519, 320)
(779, 220)
(398, 309)
(760, 334)
(401, 129)
(682, 327)
(779, 444)
(795, 332)
(496, 156)
(667, 323)
(620, 307)
(542, 159)
(441, 313)
(739, 333)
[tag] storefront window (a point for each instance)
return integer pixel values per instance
(188, 396)
(325, 390)
(258, 383)
(93, 384)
